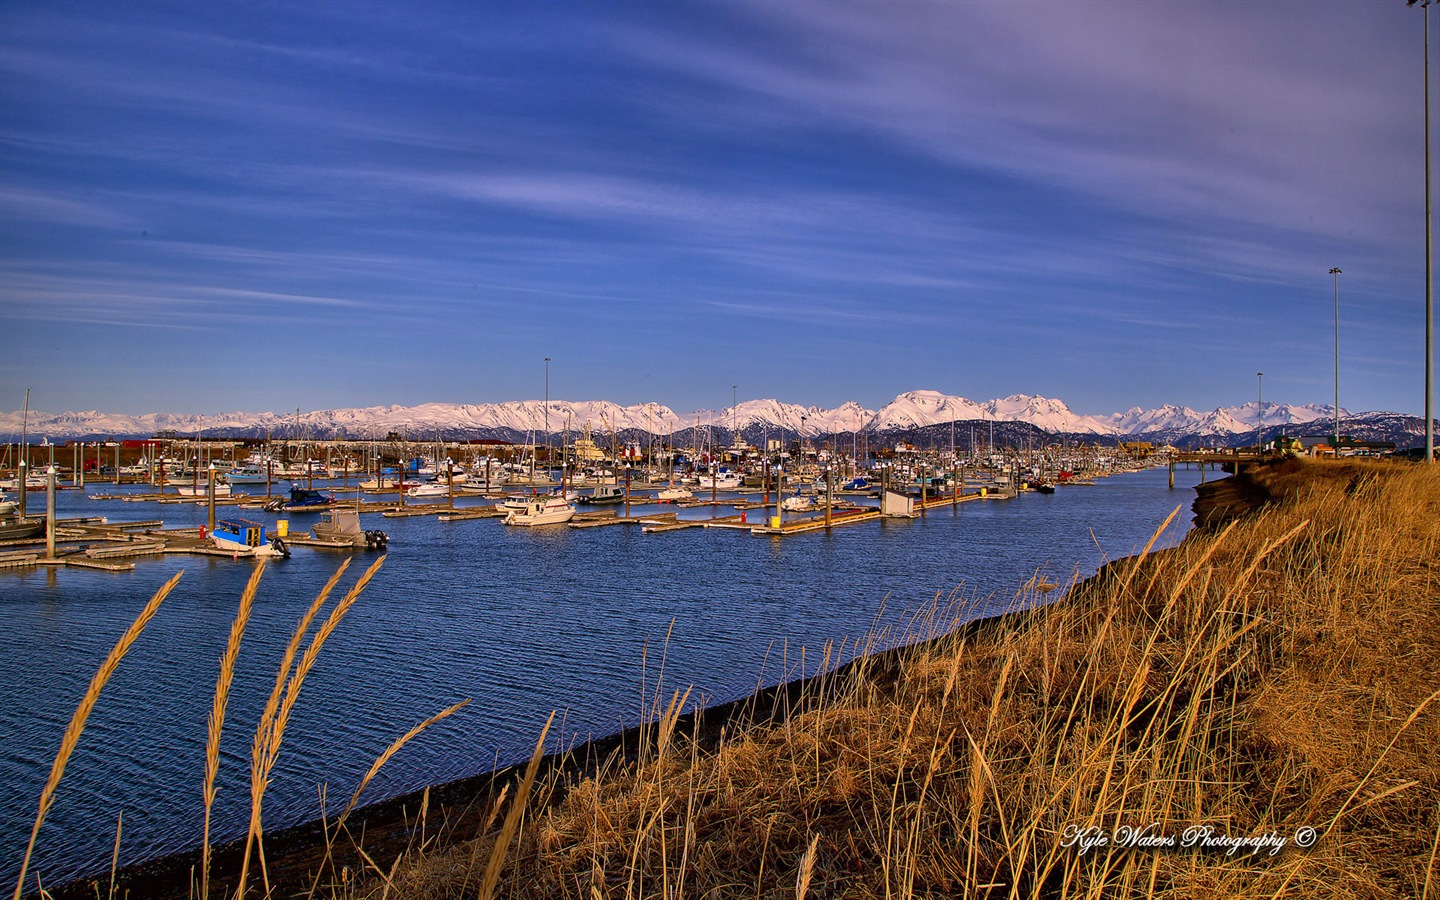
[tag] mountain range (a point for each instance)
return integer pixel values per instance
(927, 414)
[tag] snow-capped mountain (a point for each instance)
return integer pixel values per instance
(917, 409)
(1051, 415)
(515, 420)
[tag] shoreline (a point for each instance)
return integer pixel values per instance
(294, 853)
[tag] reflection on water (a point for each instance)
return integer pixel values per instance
(524, 621)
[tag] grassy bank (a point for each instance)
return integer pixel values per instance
(1271, 675)
(1277, 672)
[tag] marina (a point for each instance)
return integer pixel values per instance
(455, 613)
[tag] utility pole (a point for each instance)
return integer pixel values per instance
(1429, 260)
(1337, 273)
(1260, 412)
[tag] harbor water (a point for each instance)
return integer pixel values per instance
(523, 621)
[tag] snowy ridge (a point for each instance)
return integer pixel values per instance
(512, 419)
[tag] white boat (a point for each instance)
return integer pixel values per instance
(430, 489)
(386, 483)
(674, 494)
(7, 506)
(202, 490)
(798, 503)
(546, 510)
(248, 474)
(725, 481)
(517, 502)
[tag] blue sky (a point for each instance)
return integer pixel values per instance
(245, 206)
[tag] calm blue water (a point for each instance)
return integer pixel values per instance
(523, 621)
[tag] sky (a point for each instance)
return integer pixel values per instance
(210, 207)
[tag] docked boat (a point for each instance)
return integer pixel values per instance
(222, 490)
(7, 506)
(14, 528)
(544, 510)
(604, 494)
(342, 524)
(242, 536)
(386, 483)
(722, 481)
(301, 500)
(674, 495)
(798, 503)
(248, 474)
(429, 489)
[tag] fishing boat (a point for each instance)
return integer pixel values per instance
(604, 494)
(722, 481)
(14, 528)
(301, 500)
(342, 524)
(455, 476)
(248, 474)
(545, 510)
(798, 503)
(242, 536)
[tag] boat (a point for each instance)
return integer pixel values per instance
(544, 510)
(604, 494)
(722, 481)
(386, 483)
(429, 489)
(247, 537)
(14, 528)
(674, 495)
(222, 490)
(798, 503)
(248, 474)
(7, 506)
(1041, 487)
(301, 500)
(342, 524)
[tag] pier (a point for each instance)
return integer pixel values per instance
(93, 543)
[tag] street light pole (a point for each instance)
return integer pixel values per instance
(547, 418)
(1429, 260)
(1337, 273)
(1260, 413)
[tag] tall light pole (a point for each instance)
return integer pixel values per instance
(1260, 412)
(1429, 261)
(1337, 273)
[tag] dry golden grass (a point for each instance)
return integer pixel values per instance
(82, 712)
(1277, 675)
